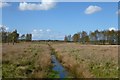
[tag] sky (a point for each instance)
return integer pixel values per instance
(54, 20)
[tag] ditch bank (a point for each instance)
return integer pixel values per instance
(57, 70)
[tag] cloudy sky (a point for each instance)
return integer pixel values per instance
(54, 20)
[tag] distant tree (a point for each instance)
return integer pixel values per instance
(87, 39)
(23, 37)
(84, 36)
(76, 37)
(2, 28)
(96, 35)
(65, 38)
(15, 36)
(9, 37)
(69, 38)
(79, 36)
(118, 37)
(3, 35)
(110, 36)
(28, 37)
(12, 36)
(113, 37)
(102, 37)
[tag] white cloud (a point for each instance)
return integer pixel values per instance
(92, 9)
(112, 28)
(44, 5)
(34, 30)
(118, 12)
(48, 30)
(6, 28)
(40, 30)
(46, 34)
(4, 4)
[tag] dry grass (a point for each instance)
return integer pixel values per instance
(88, 60)
(26, 60)
(34, 59)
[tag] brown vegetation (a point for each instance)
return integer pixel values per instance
(88, 60)
(26, 60)
(33, 59)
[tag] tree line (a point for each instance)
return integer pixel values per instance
(95, 37)
(13, 37)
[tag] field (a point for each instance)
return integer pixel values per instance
(33, 60)
(88, 60)
(26, 60)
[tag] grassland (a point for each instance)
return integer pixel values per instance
(26, 60)
(88, 60)
(33, 60)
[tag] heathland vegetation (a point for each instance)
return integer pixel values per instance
(33, 60)
(88, 60)
(26, 60)
(83, 55)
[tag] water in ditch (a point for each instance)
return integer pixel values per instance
(58, 67)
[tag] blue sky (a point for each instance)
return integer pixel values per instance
(54, 21)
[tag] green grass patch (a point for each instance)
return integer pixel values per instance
(53, 74)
